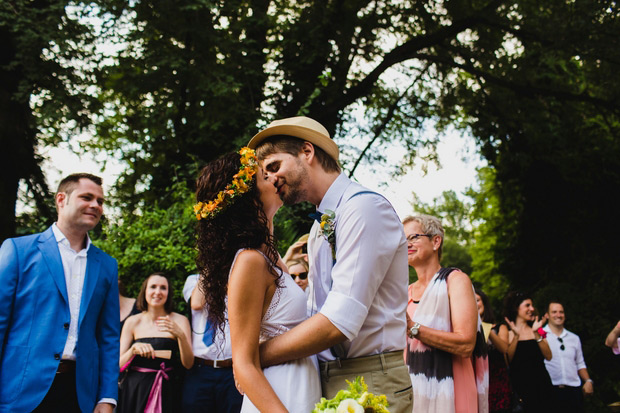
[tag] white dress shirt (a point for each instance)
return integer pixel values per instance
(364, 294)
(74, 266)
(564, 364)
(221, 349)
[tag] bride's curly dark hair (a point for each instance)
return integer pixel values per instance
(242, 224)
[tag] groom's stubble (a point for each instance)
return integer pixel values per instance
(297, 183)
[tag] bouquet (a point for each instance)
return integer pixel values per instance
(354, 400)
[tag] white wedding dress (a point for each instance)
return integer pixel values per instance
(296, 383)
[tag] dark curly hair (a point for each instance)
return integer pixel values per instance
(242, 224)
(512, 301)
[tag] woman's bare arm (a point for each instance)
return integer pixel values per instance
(249, 282)
(498, 342)
(462, 339)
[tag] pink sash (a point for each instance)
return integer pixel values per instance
(153, 405)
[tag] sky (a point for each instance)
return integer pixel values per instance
(457, 155)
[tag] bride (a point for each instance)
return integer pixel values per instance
(242, 274)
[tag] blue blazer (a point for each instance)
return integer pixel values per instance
(34, 324)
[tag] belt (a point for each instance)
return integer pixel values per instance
(216, 364)
(376, 362)
(65, 366)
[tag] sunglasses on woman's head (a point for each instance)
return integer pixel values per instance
(301, 275)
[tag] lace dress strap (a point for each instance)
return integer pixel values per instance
(266, 330)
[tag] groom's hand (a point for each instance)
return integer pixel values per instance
(310, 337)
(103, 408)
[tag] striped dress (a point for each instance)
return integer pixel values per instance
(443, 382)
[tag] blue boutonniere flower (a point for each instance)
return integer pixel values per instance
(328, 229)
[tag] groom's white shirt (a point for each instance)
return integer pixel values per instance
(366, 289)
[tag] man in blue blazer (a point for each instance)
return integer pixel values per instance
(59, 312)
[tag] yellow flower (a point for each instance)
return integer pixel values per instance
(240, 184)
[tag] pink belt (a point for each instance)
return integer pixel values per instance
(153, 405)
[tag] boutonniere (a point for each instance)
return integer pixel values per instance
(328, 229)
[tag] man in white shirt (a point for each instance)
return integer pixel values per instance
(209, 385)
(359, 270)
(59, 311)
(567, 367)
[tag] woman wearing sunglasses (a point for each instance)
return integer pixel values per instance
(298, 269)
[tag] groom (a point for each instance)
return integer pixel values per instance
(359, 276)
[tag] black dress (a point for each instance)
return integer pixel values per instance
(136, 387)
(499, 383)
(530, 378)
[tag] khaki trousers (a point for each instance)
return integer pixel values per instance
(384, 373)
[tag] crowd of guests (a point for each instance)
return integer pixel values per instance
(532, 367)
(257, 320)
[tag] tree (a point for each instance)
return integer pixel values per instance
(41, 41)
(457, 223)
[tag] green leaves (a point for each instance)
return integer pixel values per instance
(154, 239)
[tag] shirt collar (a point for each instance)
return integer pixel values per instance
(564, 331)
(62, 239)
(334, 193)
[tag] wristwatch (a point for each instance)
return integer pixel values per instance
(413, 331)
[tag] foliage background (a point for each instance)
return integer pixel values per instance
(166, 87)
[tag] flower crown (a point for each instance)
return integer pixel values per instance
(241, 183)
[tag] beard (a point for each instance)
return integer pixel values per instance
(296, 183)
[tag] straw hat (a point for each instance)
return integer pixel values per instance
(300, 127)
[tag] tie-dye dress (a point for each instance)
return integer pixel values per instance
(443, 382)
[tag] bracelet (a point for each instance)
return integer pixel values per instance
(539, 339)
(590, 381)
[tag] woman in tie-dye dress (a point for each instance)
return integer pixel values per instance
(446, 351)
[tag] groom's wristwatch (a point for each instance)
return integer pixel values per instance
(413, 331)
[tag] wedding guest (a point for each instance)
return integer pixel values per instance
(447, 369)
(357, 265)
(242, 276)
(154, 349)
(527, 350)
(567, 368)
(298, 269)
(298, 250)
(128, 305)
(209, 386)
(499, 381)
(613, 339)
(53, 282)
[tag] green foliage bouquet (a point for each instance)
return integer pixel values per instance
(354, 400)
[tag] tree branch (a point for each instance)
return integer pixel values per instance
(408, 51)
(380, 128)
